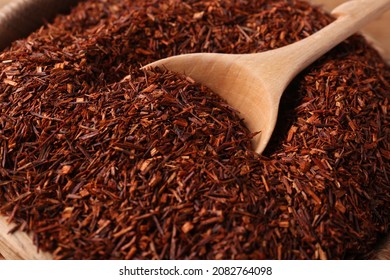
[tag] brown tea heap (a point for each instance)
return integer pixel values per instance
(157, 167)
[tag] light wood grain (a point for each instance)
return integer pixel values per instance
(254, 83)
(377, 32)
(18, 246)
(17, 19)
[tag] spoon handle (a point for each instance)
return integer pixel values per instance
(350, 16)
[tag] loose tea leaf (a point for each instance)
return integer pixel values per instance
(154, 166)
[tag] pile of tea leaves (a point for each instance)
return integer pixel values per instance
(100, 160)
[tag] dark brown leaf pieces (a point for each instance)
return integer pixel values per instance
(154, 166)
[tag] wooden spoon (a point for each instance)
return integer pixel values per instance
(254, 83)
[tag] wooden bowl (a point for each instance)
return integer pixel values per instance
(18, 18)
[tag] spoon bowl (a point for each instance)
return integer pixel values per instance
(254, 83)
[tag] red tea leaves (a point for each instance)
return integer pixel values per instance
(100, 164)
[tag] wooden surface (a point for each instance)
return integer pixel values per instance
(2, 3)
(18, 246)
(27, 16)
(378, 31)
